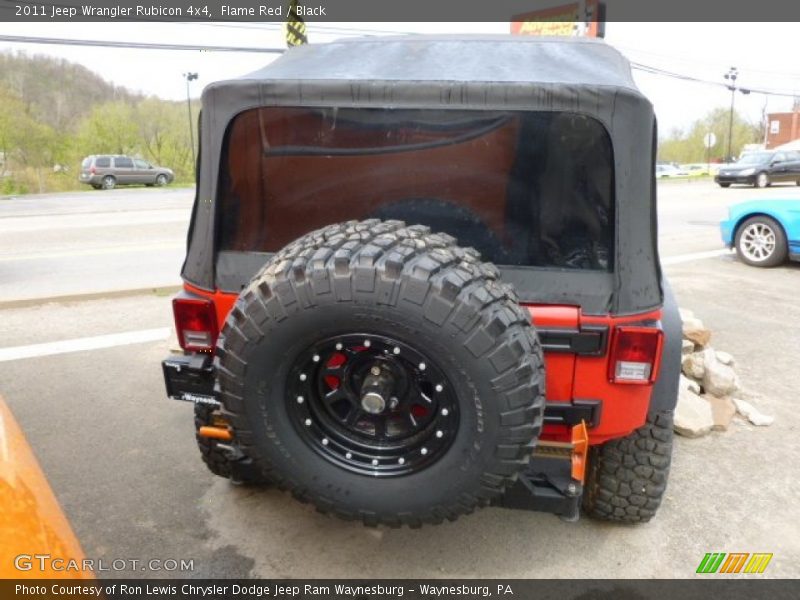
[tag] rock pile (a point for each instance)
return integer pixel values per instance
(708, 385)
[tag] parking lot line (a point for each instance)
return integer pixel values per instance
(682, 258)
(81, 344)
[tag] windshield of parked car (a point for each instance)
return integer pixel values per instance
(756, 158)
(523, 188)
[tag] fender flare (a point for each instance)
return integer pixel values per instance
(665, 390)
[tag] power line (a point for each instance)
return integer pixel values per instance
(708, 64)
(266, 50)
(689, 78)
(21, 39)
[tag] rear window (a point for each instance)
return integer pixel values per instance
(86, 162)
(523, 188)
(102, 161)
(123, 162)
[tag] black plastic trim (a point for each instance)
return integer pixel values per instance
(589, 340)
(572, 413)
(665, 390)
(546, 485)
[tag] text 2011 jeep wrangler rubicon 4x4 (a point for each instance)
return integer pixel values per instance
(422, 278)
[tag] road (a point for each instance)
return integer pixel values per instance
(88, 242)
(123, 463)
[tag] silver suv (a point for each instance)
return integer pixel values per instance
(106, 171)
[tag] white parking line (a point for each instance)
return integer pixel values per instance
(682, 258)
(82, 344)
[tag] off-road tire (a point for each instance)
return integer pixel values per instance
(379, 276)
(218, 460)
(627, 478)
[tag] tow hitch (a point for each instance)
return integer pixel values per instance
(553, 481)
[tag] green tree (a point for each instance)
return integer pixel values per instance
(110, 128)
(688, 147)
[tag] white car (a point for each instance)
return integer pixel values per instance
(665, 170)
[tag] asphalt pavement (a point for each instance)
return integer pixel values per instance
(122, 459)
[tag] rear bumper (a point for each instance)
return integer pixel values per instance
(90, 179)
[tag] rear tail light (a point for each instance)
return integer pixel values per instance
(635, 355)
(195, 323)
(92, 170)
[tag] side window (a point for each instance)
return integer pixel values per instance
(123, 162)
(141, 164)
(779, 157)
(102, 162)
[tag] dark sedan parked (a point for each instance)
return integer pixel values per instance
(761, 169)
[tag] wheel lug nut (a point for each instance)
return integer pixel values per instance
(339, 346)
(308, 422)
(375, 462)
(396, 350)
(315, 358)
(300, 399)
(401, 461)
(422, 366)
(324, 441)
(439, 434)
(348, 456)
(367, 343)
(445, 412)
(439, 387)
(303, 377)
(424, 451)
(375, 370)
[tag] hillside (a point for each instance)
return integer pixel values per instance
(55, 91)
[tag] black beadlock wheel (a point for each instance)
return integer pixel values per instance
(383, 373)
(400, 432)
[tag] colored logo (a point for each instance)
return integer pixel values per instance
(735, 562)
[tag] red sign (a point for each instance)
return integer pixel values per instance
(581, 18)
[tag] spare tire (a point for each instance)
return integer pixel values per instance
(383, 373)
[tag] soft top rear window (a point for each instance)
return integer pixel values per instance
(523, 188)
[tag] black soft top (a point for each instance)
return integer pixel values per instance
(465, 72)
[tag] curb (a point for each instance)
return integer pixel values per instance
(28, 302)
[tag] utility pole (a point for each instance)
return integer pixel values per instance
(189, 78)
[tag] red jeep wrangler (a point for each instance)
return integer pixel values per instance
(422, 277)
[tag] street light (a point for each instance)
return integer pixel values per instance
(189, 78)
(732, 75)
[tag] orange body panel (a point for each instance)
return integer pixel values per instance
(568, 377)
(31, 520)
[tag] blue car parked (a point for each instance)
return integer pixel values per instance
(764, 232)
